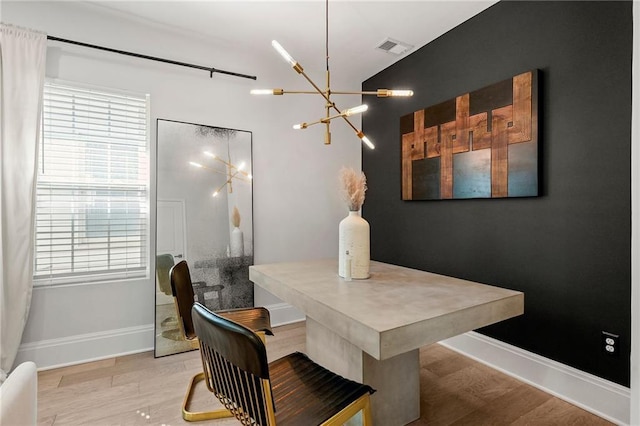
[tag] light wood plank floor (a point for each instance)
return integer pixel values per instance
(140, 390)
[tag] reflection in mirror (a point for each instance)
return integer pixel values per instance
(204, 216)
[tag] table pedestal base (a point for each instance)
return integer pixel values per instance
(396, 380)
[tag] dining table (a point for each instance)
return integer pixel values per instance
(371, 330)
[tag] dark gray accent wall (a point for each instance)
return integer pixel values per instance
(568, 250)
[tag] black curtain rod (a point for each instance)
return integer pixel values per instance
(153, 58)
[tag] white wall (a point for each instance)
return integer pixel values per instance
(296, 203)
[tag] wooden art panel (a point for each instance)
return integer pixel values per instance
(482, 144)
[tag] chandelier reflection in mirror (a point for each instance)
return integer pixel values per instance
(330, 106)
(231, 171)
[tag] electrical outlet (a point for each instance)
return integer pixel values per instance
(610, 343)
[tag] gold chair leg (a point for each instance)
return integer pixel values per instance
(367, 418)
(361, 404)
(196, 416)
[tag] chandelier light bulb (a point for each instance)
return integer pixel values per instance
(283, 53)
(194, 164)
(400, 92)
(209, 154)
(367, 142)
(384, 93)
(262, 92)
(242, 166)
(356, 110)
(215, 194)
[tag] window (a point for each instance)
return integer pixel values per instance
(92, 211)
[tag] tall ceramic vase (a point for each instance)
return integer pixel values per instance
(353, 247)
(236, 243)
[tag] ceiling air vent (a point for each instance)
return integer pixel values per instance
(394, 47)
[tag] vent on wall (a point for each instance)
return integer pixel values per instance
(394, 47)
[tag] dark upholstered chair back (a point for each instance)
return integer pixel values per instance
(232, 340)
(235, 364)
(183, 293)
(164, 262)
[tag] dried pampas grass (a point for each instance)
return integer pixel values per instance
(235, 217)
(354, 185)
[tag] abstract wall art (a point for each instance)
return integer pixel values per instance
(482, 144)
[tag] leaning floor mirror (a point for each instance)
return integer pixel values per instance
(204, 216)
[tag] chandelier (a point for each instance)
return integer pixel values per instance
(330, 106)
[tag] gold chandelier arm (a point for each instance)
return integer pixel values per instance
(200, 166)
(228, 182)
(217, 191)
(340, 92)
(244, 173)
(349, 123)
(381, 93)
(318, 90)
(347, 113)
(230, 166)
(323, 120)
(224, 162)
(359, 133)
(299, 92)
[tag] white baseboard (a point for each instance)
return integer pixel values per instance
(62, 352)
(601, 397)
(54, 353)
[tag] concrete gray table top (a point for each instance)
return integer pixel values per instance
(396, 310)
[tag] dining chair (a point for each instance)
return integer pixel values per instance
(169, 325)
(256, 319)
(292, 390)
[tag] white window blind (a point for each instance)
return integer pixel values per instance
(91, 199)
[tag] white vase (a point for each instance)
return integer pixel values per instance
(353, 247)
(237, 243)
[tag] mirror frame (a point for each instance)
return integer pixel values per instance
(217, 251)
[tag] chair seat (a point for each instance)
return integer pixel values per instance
(255, 319)
(306, 393)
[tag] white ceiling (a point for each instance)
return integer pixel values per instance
(356, 27)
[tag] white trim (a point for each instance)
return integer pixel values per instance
(283, 314)
(64, 351)
(635, 219)
(594, 394)
(81, 348)
(601, 397)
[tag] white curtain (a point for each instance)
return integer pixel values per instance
(22, 68)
